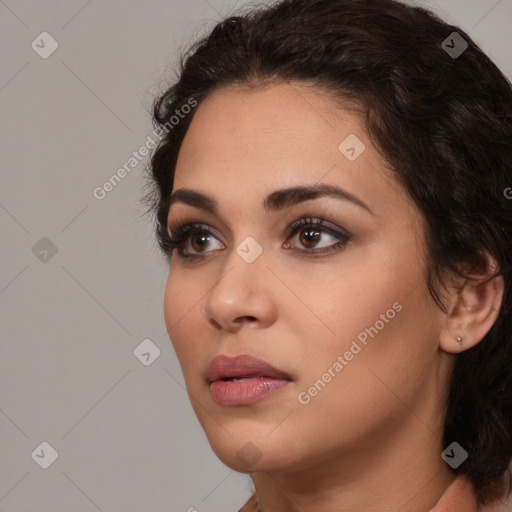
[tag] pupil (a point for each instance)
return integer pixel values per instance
(312, 236)
(203, 242)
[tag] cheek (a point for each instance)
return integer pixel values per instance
(332, 305)
(376, 320)
(171, 304)
(367, 375)
(182, 299)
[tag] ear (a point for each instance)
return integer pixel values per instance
(473, 307)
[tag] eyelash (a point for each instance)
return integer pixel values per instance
(182, 233)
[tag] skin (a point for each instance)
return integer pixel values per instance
(371, 439)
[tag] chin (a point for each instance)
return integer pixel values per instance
(247, 453)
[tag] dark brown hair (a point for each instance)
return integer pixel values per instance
(442, 121)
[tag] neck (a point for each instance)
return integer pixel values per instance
(408, 476)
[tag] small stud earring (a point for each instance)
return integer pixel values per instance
(459, 339)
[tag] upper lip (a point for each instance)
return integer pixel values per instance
(241, 366)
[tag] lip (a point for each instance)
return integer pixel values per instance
(267, 379)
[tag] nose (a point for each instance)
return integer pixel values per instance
(242, 296)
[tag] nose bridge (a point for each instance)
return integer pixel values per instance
(247, 253)
(243, 268)
(241, 290)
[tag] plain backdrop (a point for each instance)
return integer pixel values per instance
(81, 279)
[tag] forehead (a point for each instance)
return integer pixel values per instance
(244, 143)
(274, 120)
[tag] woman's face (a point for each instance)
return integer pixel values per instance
(342, 310)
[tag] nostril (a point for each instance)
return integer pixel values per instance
(215, 323)
(243, 318)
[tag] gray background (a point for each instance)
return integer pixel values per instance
(125, 433)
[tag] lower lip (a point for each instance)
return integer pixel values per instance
(246, 392)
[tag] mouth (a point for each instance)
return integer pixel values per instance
(243, 379)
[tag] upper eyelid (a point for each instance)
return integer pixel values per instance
(343, 236)
(181, 221)
(304, 221)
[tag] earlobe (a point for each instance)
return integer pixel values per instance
(474, 307)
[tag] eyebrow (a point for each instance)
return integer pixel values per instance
(275, 201)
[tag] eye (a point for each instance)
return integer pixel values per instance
(198, 234)
(309, 232)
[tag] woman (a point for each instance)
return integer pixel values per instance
(333, 195)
